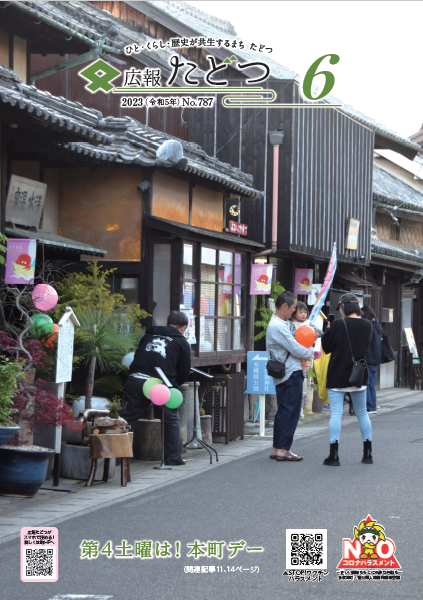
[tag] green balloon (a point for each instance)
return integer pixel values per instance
(149, 384)
(42, 323)
(175, 399)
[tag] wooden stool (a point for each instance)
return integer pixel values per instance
(107, 446)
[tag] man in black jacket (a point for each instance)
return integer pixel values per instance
(167, 348)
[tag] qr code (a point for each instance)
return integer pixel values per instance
(306, 548)
(40, 563)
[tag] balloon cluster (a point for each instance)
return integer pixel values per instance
(160, 394)
(45, 298)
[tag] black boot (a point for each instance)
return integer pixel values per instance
(367, 453)
(333, 458)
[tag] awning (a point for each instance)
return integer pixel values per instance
(55, 241)
(188, 231)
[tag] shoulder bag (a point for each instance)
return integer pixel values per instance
(359, 367)
(388, 355)
(275, 368)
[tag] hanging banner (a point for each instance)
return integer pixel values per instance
(261, 279)
(330, 274)
(20, 261)
(303, 281)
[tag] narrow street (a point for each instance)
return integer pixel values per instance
(252, 499)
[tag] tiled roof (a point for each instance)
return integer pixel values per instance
(389, 190)
(210, 26)
(123, 140)
(135, 143)
(385, 250)
(57, 241)
(52, 111)
(76, 16)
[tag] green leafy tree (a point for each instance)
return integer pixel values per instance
(91, 291)
(11, 373)
(102, 340)
(266, 313)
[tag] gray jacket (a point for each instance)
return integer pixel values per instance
(279, 341)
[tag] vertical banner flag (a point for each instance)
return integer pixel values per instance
(261, 279)
(303, 281)
(330, 274)
(20, 261)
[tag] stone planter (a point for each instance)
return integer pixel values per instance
(148, 440)
(22, 472)
(206, 429)
(75, 463)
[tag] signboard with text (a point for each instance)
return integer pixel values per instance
(239, 228)
(258, 381)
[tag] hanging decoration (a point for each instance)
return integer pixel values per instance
(44, 296)
(51, 340)
(43, 324)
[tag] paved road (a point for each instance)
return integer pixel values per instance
(256, 500)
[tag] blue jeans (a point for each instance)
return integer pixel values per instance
(371, 389)
(336, 401)
(289, 395)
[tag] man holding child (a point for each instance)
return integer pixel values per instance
(284, 348)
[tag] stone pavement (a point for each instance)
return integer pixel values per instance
(53, 507)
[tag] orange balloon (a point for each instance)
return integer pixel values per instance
(305, 336)
(50, 341)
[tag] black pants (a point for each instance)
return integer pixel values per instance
(134, 406)
(289, 395)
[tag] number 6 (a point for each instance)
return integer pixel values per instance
(311, 74)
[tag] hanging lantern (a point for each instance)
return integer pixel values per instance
(51, 340)
(44, 296)
(42, 324)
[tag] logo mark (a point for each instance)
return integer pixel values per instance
(369, 549)
(100, 74)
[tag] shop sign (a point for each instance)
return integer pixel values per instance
(261, 279)
(352, 235)
(20, 261)
(239, 228)
(25, 201)
(303, 281)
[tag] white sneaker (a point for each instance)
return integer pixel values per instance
(372, 412)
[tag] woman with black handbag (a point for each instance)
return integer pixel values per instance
(348, 341)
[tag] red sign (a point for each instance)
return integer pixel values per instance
(239, 228)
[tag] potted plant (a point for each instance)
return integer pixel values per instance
(23, 466)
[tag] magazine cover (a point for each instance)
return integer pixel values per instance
(211, 263)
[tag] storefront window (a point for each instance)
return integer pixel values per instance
(222, 303)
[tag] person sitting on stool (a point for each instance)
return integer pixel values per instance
(167, 348)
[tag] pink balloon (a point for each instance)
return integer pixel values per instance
(44, 296)
(159, 394)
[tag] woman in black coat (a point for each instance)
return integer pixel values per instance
(336, 342)
(374, 357)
